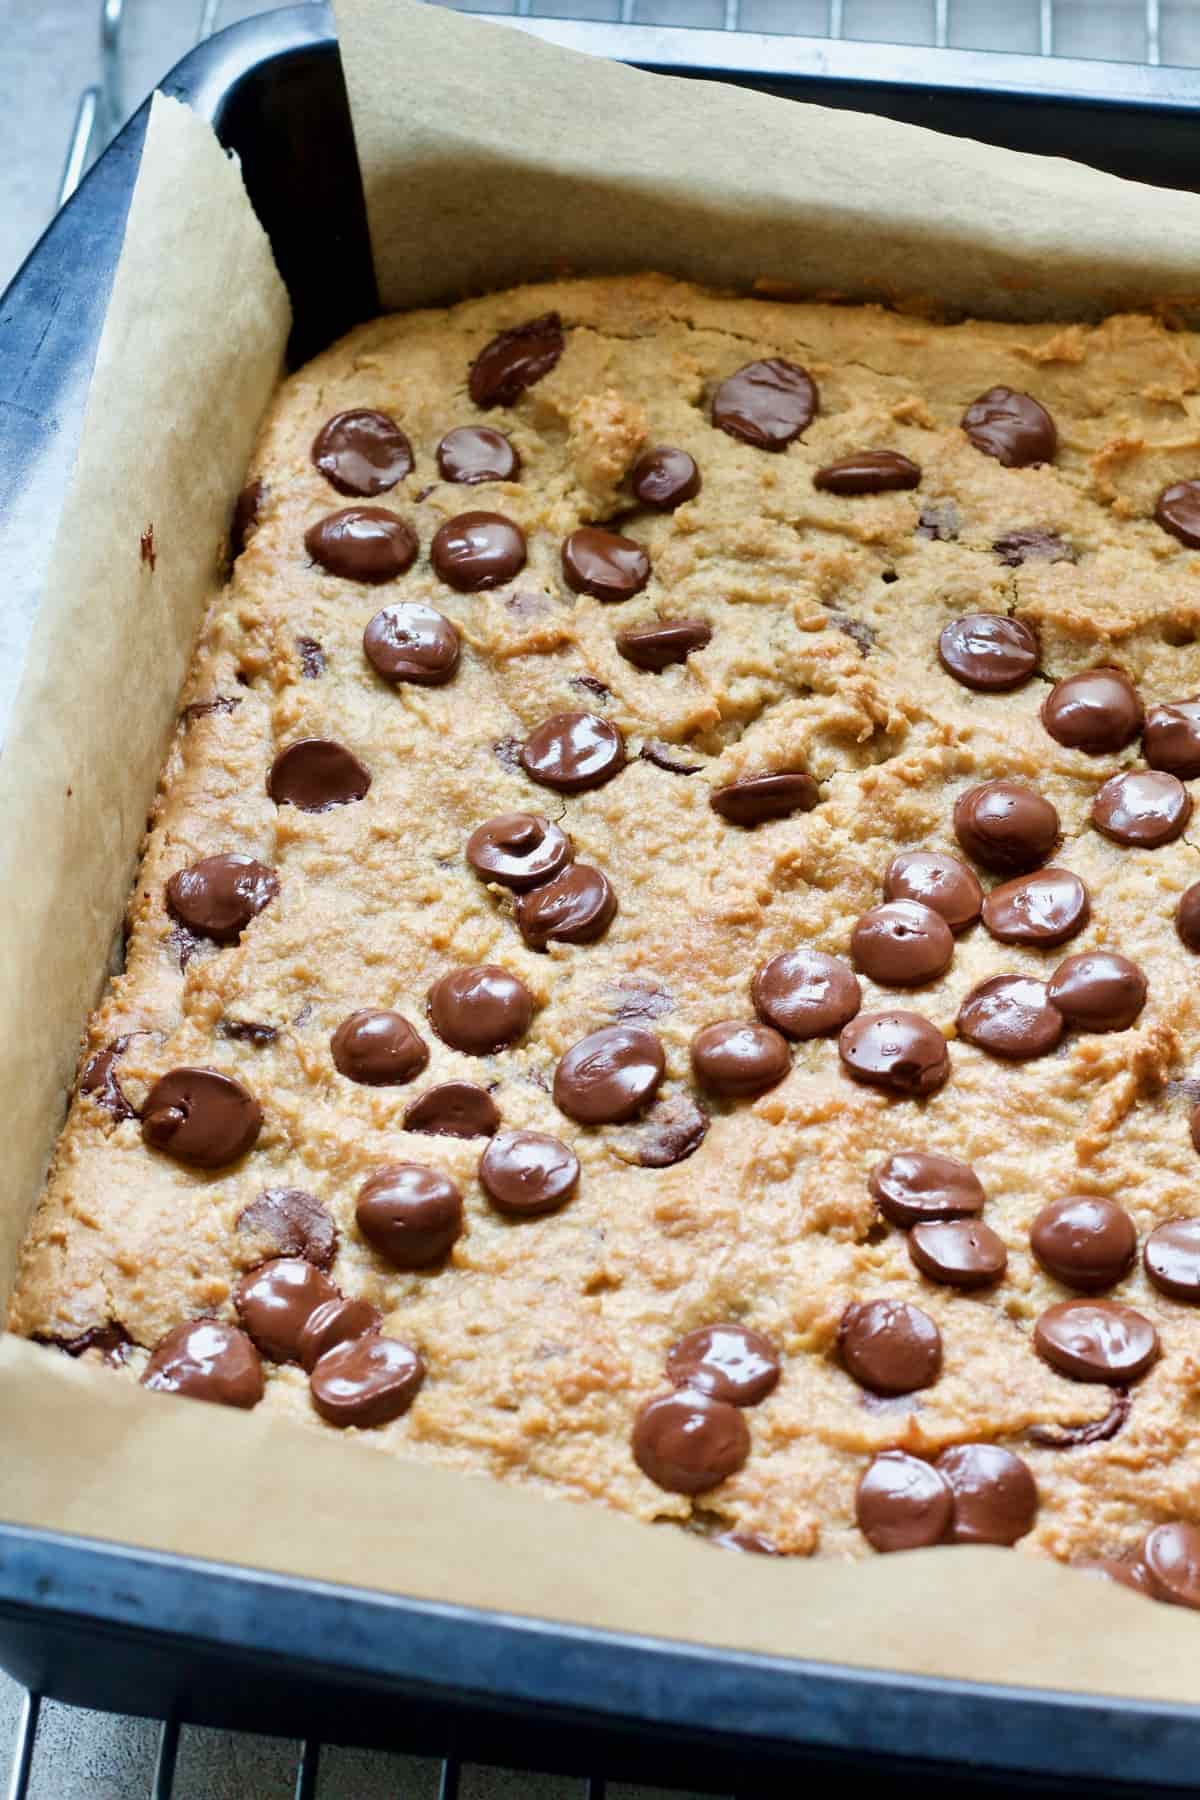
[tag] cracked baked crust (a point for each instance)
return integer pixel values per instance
(542, 1337)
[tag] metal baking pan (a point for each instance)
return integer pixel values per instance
(100, 1625)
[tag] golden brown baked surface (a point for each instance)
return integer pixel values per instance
(543, 1336)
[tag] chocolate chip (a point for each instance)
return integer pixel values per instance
(868, 472)
(275, 1301)
(112, 1341)
(314, 774)
(410, 1214)
(900, 1051)
(362, 543)
(366, 1381)
(1142, 809)
(1096, 711)
(762, 797)
(507, 750)
(664, 478)
(963, 1253)
(902, 944)
(525, 1173)
(995, 1497)
(988, 651)
(730, 1362)
(218, 896)
(1178, 511)
(745, 1541)
(587, 684)
(481, 1009)
(1013, 427)
(472, 453)
(183, 943)
(313, 661)
(201, 1117)
(289, 1222)
(938, 881)
(664, 757)
(99, 1079)
(244, 523)
(915, 1186)
(205, 709)
(1017, 547)
(577, 907)
(1012, 1016)
(378, 1048)
(766, 404)
(206, 1360)
(806, 994)
(1096, 1340)
(739, 1061)
(1098, 991)
(1006, 826)
(362, 452)
(453, 1109)
(1194, 1127)
(604, 564)
(572, 752)
(890, 1346)
(478, 550)
(687, 1442)
(857, 630)
(1084, 1241)
(1096, 1431)
(1172, 1258)
(515, 360)
(1171, 1559)
(518, 850)
(940, 521)
(1115, 1568)
(610, 1075)
(902, 1503)
(1042, 909)
(655, 647)
(334, 1322)
(671, 1131)
(1171, 738)
(248, 1031)
(412, 642)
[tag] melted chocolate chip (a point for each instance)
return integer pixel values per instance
(902, 1503)
(518, 850)
(1098, 991)
(480, 1010)
(577, 907)
(1142, 809)
(275, 1301)
(1006, 826)
(730, 1362)
(334, 1322)
(206, 1360)
(218, 896)
(687, 1442)
(671, 1131)
(525, 1173)
(378, 1048)
(664, 478)
(313, 661)
(963, 1253)
(362, 543)
(739, 1061)
(937, 880)
(806, 994)
(362, 452)
(604, 564)
(99, 1079)
(988, 651)
(1096, 1340)
(412, 642)
(472, 453)
(761, 797)
(1042, 909)
(515, 360)
(244, 523)
(902, 944)
(1117, 1568)
(1097, 711)
(868, 472)
(655, 647)
(899, 1051)
(1178, 511)
(1013, 427)
(1012, 1016)
(478, 550)
(453, 1109)
(1017, 547)
(572, 752)
(201, 1117)
(112, 1341)
(366, 1381)
(1096, 1431)
(1171, 1559)
(766, 404)
(610, 1075)
(410, 1214)
(314, 774)
(1084, 1241)
(289, 1222)
(917, 1186)
(995, 1497)
(1171, 738)
(664, 757)
(890, 1346)
(1172, 1258)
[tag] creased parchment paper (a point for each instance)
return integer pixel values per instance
(487, 158)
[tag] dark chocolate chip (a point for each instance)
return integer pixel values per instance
(244, 523)
(1097, 711)
(572, 752)
(738, 1060)
(1013, 427)
(604, 564)
(588, 684)
(453, 1109)
(902, 944)
(514, 360)
(314, 774)
(1017, 547)
(730, 1362)
(1096, 1431)
(201, 1117)
(766, 404)
(478, 550)
(1084, 1241)
(890, 1346)
(472, 453)
(1042, 909)
(1171, 738)
(670, 1132)
(902, 1503)
(687, 1442)
(994, 1494)
(412, 642)
(610, 1075)
(917, 1186)
(664, 756)
(806, 994)
(362, 452)
(1171, 1558)
(665, 477)
(1178, 511)
(362, 543)
(183, 943)
(868, 472)
(248, 1031)
(1142, 809)
(205, 709)
(1012, 1016)
(218, 896)
(289, 1222)
(655, 647)
(275, 1301)
(525, 1173)
(518, 850)
(1172, 1258)
(963, 1253)
(761, 797)
(378, 1048)
(577, 907)
(1098, 991)
(112, 1341)
(480, 1009)
(366, 1381)
(334, 1322)
(937, 880)
(1006, 826)
(1096, 1340)
(99, 1079)
(206, 1360)
(313, 661)
(410, 1214)
(899, 1051)
(988, 651)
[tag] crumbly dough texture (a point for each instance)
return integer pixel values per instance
(543, 1336)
